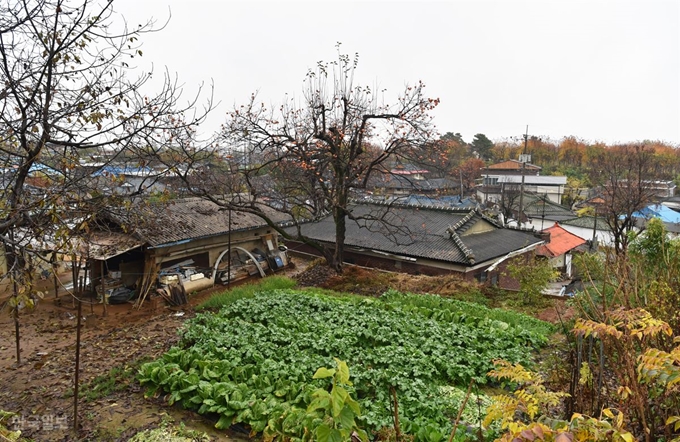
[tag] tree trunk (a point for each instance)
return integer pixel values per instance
(16, 329)
(340, 228)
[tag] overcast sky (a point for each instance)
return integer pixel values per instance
(601, 70)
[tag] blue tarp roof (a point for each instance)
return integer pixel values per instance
(122, 170)
(660, 211)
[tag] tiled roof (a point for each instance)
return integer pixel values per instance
(438, 201)
(408, 169)
(560, 243)
(186, 219)
(421, 232)
(403, 182)
(587, 222)
(537, 206)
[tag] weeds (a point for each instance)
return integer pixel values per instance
(116, 380)
(246, 291)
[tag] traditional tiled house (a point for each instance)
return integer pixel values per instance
(426, 240)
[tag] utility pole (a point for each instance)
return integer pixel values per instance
(521, 187)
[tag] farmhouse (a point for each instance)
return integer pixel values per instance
(540, 213)
(560, 247)
(191, 242)
(426, 240)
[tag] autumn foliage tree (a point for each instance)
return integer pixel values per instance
(307, 159)
(469, 171)
(456, 152)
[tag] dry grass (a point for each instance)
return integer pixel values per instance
(371, 282)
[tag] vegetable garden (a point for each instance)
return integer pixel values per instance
(254, 362)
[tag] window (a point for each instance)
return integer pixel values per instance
(494, 279)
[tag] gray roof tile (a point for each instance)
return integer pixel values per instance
(421, 232)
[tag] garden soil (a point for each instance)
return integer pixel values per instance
(40, 389)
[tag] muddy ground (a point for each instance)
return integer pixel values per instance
(40, 389)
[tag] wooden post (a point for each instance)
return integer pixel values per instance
(229, 254)
(397, 431)
(75, 386)
(75, 269)
(15, 315)
(103, 286)
(54, 274)
(16, 330)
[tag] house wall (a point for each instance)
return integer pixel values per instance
(215, 245)
(558, 262)
(539, 224)
(479, 227)
(493, 193)
(421, 266)
(604, 237)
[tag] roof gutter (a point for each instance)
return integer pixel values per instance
(512, 254)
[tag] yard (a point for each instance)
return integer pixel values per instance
(112, 405)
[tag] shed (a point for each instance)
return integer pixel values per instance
(559, 248)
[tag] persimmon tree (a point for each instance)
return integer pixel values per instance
(69, 90)
(469, 170)
(308, 158)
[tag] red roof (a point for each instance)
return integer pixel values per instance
(560, 243)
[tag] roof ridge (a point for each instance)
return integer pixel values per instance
(489, 219)
(469, 254)
(462, 221)
(399, 204)
(471, 222)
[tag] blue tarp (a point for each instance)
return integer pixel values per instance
(665, 214)
(122, 170)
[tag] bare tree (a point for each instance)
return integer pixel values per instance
(308, 159)
(68, 91)
(509, 201)
(626, 175)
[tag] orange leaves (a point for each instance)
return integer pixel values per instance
(637, 323)
(597, 329)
